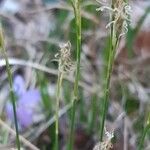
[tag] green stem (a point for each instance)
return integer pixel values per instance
(12, 95)
(146, 129)
(112, 48)
(59, 83)
(77, 13)
(93, 113)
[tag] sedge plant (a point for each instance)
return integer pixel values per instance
(65, 65)
(12, 95)
(119, 12)
(77, 14)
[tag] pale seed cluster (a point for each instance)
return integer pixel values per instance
(64, 58)
(106, 144)
(120, 14)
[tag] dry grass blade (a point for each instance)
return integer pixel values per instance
(20, 62)
(22, 139)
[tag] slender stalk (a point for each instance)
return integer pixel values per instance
(93, 113)
(59, 83)
(112, 48)
(77, 13)
(12, 95)
(145, 131)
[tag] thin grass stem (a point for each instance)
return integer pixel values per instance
(77, 13)
(12, 95)
(93, 113)
(112, 48)
(145, 131)
(59, 83)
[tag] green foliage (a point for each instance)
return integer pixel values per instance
(131, 105)
(46, 98)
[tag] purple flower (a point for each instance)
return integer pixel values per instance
(29, 98)
(19, 85)
(24, 117)
(26, 105)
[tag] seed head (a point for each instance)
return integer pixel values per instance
(106, 144)
(120, 15)
(65, 64)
